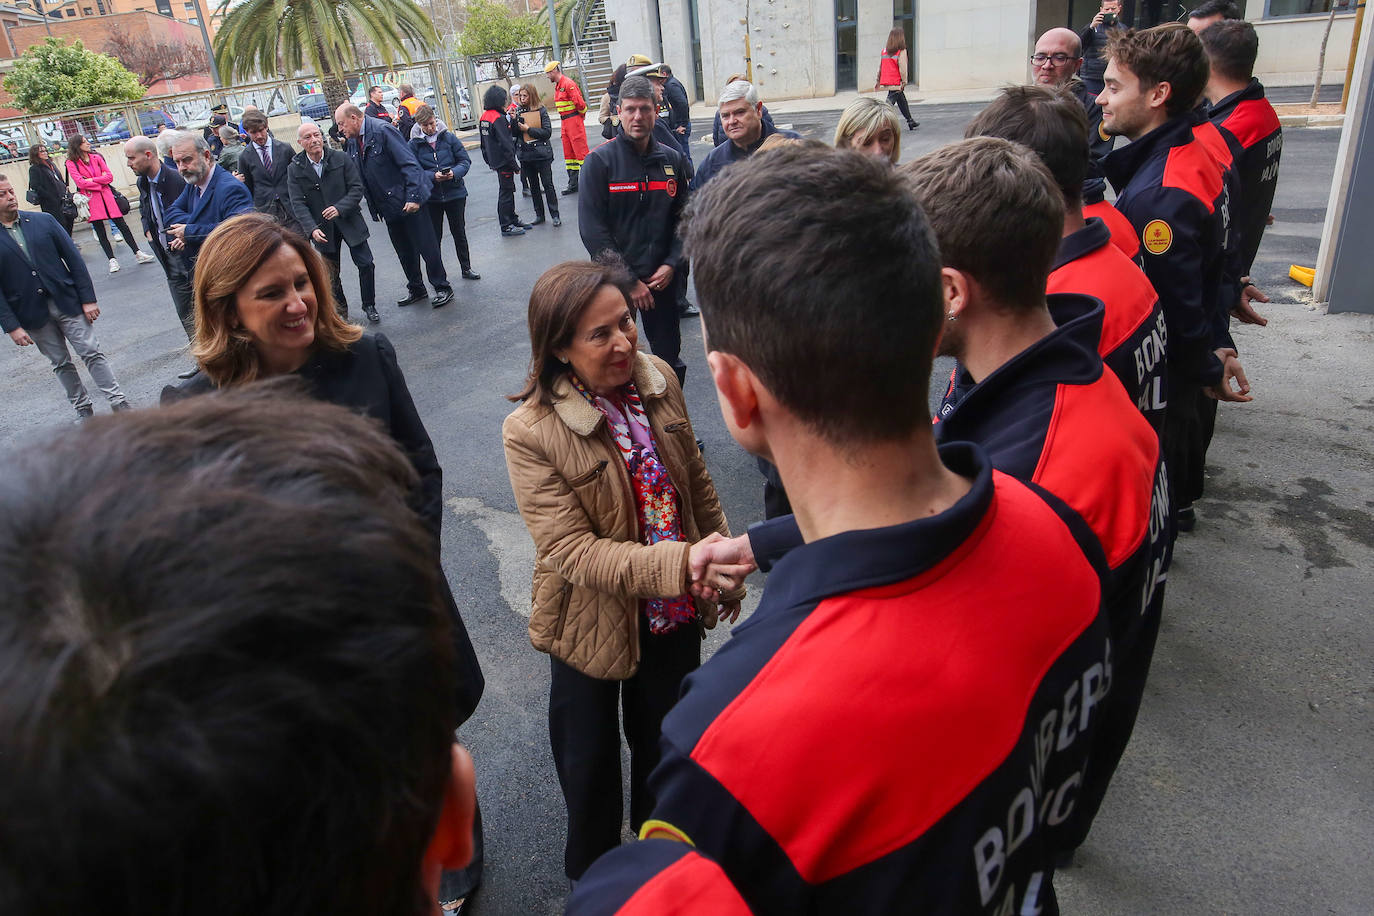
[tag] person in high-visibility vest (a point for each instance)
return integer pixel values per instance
(571, 110)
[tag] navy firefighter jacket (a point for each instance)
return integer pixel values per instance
(1171, 189)
(1134, 336)
(630, 203)
(905, 717)
(1249, 117)
(1052, 417)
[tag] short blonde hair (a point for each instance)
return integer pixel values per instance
(228, 259)
(863, 120)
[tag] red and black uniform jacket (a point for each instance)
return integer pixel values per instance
(1134, 336)
(1224, 149)
(1171, 189)
(655, 878)
(630, 203)
(904, 720)
(1248, 116)
(1123, 233)
(1052, 417)
(498, 144)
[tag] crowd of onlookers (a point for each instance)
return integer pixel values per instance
(233, 665)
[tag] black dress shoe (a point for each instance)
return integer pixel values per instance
(912, 125)
(471, 275)
(556, 220)
(570, 190)
(412, 299)
(526, 226)
(371, 312)
(538, 221)
(1185, 519)
(189, 373)
(689, 310)
(442, 298)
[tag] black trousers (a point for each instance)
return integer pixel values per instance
(1183, 440)
(412, 235)
(367, 274)
(179, 284)
(99, 226)
(662, 327)
(898, 97)
(584, 731)
(456, 211)
(505, 199)
(66, 222)
(540, 175)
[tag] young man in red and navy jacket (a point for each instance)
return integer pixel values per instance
(907, 715)
(633, 191)
(1171, 189)
(1031, 389)
(1238, 106)
(1133, 337)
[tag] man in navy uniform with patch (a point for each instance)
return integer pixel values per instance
(906, 716)
(633, 190)
(1172, 190)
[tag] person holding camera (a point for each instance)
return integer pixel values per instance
(442, 154)
(1094, 39)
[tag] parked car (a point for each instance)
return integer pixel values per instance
(148, 121)
(313, 106)
(202, 120)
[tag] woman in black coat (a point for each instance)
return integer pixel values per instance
(535, 151)
(443, 155)
(48, 185)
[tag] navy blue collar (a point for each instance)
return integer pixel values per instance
(1224, 107)
(873, 557)
(1120, 165)
(1083, 242)
(1066, 355)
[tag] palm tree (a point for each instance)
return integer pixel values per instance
(564, 10)
(285, 36)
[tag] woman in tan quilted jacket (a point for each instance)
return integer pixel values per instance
(607, 475)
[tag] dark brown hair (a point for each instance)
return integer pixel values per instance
(74, 148)
(817, 269)
(1050, 122)
(1231, 47)
(896, 40)
(228, 259)
(229, 661)
(252, 120)
(997, 213)
(423, 115)
(560, 296)
(1168, 53)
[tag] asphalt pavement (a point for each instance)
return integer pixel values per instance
(1247, 787)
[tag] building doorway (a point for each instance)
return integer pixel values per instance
(846, 45)
(904, 15)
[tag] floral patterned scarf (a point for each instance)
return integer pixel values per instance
(656, 499)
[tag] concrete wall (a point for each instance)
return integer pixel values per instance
(875, 21)
(973, 44)
(1288, 48)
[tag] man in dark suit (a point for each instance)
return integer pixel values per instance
(396, 186)
(47, 299)
(158, 189)
(263, 165)
(211, 196)
(326, 197)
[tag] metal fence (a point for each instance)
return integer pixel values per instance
(443, 84)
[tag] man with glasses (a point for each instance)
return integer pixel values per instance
(1056, 63)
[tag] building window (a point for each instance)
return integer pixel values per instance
(87, 11)
(71, 13)
(1282, 9)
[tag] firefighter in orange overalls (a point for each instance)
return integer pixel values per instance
(571, 110)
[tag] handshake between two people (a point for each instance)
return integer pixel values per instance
(718, 566)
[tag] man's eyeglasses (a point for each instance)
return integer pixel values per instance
(1058, 60)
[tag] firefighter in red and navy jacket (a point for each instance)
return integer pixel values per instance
(632, 195)
(1050, 414)
(1238, 106)
(904, 720)
(1171, 188)
(498, 150)
(1133, 338)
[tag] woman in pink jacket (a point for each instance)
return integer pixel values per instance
(92, 176)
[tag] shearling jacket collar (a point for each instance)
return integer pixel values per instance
(582, 418)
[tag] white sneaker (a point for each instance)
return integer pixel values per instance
(114, 265)
(143, 257)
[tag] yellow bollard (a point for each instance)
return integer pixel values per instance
(1303, 275)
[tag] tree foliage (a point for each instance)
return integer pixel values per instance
(563, 10)
(152, 61)
(54, 76)
(493, 29)
(280, 37)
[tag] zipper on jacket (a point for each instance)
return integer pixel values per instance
(589, 476)
(565, 594)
